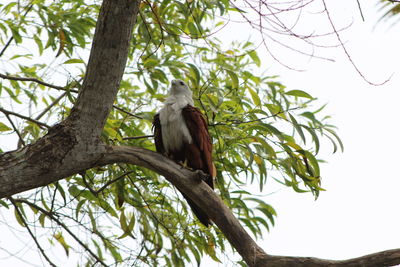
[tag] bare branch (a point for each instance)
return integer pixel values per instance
(14, 78)
(359, 7)
(137, 137)
(127, 112)
(31, 233)
(29, 7)
(25, 118)
(347, 52)
(52, 217)
(50, 106)
(15, 129)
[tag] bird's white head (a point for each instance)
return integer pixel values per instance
(180, 88)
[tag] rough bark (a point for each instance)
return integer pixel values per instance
(74, 145)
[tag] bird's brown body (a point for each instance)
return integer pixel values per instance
(181, 133)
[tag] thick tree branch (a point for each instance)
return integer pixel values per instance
(105, 68)
(381, 259)
(191, 184)
(73, 145)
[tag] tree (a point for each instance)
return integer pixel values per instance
(91, 178)
(390, 8)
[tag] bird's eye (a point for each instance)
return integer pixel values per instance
(181, 83)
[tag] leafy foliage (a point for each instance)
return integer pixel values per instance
(390, 9)
(128, 214)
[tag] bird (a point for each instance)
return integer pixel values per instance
(181, 134)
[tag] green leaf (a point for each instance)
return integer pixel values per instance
(151, 62)
(4, 128)
(193, 30)
(314, 137)
(298, 128)
(127, 228)
(195, 73)
(254, 96)
(39, 43)
(254, 57)
(59, 237)
(337, 138)
(234, 79)
(315, 171)
(42, 218)
(210, 248)
(299, 93)
(18, 217)
(4, 204)
(74, 61)
(274, 109)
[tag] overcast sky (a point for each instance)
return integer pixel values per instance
(359, 212)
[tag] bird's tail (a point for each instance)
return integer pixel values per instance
(200, 214)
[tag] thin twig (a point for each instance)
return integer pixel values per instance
(83, 174)
(50, 106)
(238, 122)
(30, 233)
(15, 129)
(359, 7)
(14, 78)
(113, 181)
(54, 218)
(12, 37)
(137, 137)
(96, 192)
(347, 52)
(25, 118)
(152, 212)
(127, 112)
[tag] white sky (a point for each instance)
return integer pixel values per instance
(358, 214)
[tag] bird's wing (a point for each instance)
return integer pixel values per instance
(158, 134)
(199, 154)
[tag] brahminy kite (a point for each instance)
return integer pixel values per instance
(181, 133)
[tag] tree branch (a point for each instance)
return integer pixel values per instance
(15, 129)
(29, 7)
(185, 180)
(191, 184)
(7, 112)
(31, 233)
(24, 79)
(52, 217)
(137, 137)
(381, 259)
(105, 68)
(127, 112)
